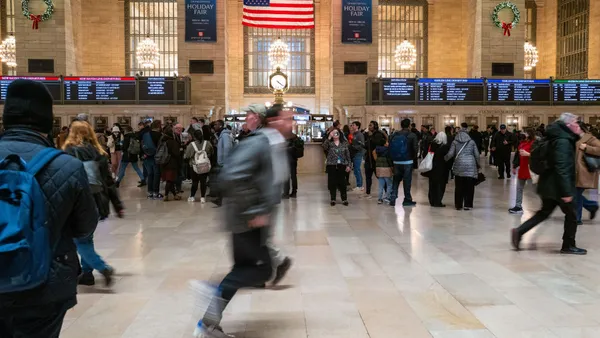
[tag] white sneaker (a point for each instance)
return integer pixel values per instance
(202, 200)
(357, 189)
(191, 199)
(369, 197)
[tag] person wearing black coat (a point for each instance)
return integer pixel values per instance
(502, 145)
(477, 137)
(170, 170)
(438, 175)
(129, 158)
(374, 138)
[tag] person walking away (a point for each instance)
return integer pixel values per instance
(502, 144)
(521, 161)
(131, 151)
(384, 170)
(403, 149)
(426, 138)
(295, 151)
(485, 136)
(476, 136)
(149, 139)
(224, 146)
(338, 162)
(36, 307)
(197, 153)
(556, 185)
(465, 168)
(144, 181)
(115, 144)
(170, 164)
(375, 138)
(585, 179)
(357, 151)
(83, 145)
(438, 175)
(250, 169)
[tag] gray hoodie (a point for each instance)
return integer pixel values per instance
(466, 163)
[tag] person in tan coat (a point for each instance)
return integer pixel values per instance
(585, 179)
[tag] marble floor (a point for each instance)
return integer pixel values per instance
(366, 270)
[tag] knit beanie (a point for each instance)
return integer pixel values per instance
(28, 104)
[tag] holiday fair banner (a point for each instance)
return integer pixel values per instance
(200, 21)
(357, 21)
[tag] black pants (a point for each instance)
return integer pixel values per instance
(464, 192)
(293, 178)
(492, 157)
(548, 206)
(347, 178)
(251, 267)
(336, 180)
(369, 172)
(437, 188)
(198, 178)
(170, 188)
(503, 163)
(44, 322)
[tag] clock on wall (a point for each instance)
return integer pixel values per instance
(278, 83)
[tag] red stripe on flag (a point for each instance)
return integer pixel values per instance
(255, 11)
(278, 26)
(278, 19)
(292, 5)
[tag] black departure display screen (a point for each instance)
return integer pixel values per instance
(85, 90)
(445, 91)
(51, 82)
(157, 90)
(576, 91)
(507, 91)
(399, 91)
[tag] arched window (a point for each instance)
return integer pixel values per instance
(158, 20)
(573, 39)
(7, 27)
(400, 20)
(257, 68)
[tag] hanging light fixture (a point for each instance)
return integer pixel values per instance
(147, 53)
(8, 51)
(531, 56)
(405, 55)
(279, 54)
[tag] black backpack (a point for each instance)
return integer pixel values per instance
(539, 160)
(298, 148)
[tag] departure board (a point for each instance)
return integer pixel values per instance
(85, 90)
(518, 91)
(399, 91)
(51, 82)
(447, 91)
(576, 91)
(157, 90)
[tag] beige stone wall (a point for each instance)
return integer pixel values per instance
(546, 38)
(234, 93)
(594, 41)
(449, 30)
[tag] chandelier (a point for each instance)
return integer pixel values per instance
(8, 51)
(279, 54)
(531, 56)
(406, 55)
(147, 53)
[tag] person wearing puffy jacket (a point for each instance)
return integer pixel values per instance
(465, 168)
(129, 158)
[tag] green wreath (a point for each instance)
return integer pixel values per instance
(37, 18)
(512, 7)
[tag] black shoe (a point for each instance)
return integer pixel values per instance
(515, 239)
(261, 286)
(392, 204)
(332, 203)
(141, 184)
(345, 203)
(438, 206)
(108, 273)
(573, 250)
(593, 212)
(516, 210)
(467, 208)
(293, 195)
(409, 203)
(579, 222)
(117, 184)
(500, 177)
(282, 270)
(86, 278)
(508, 176)
(285, 197)
(459, 209)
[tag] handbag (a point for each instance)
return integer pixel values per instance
(427, 163)
(384, 172)
(480, 179)
(592, 162)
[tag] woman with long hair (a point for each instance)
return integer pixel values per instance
(83, 144)
(198, 144)
(521, 161)
(170, 170)
(438, 175)
(338, 164)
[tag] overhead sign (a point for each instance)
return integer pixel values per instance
(357, 21)
(200, 21)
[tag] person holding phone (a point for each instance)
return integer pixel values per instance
(338, 163)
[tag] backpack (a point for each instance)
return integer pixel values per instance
(148, 146)
(111, 141)
(200, 162)
(25, 249)
(162, 153)
(298, 148)
(399, 148)
(539, 158)
(134, 146)
(92, 170)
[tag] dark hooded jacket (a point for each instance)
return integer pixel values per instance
(377, 139)
(559, 179)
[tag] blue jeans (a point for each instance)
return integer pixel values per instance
(90, 260)
(385, 183)
(124, 165)
(153, 175)
(402, 173)
(357, 162)
(582, 202)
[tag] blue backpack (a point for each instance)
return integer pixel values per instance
(25, 249)
(148, 146)
(399, 148)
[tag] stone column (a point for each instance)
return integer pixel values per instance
(546, 38)
(594, 42)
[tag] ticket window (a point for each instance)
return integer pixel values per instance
(472, 121)
(492, 121)
(124, 121)
(319, 126)
(170, 120)
(430, 122)
(512, 124)
(450, 121)
(101, 122)
(533, 121)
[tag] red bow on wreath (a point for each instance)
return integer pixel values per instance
(507, 27)
(36, 21)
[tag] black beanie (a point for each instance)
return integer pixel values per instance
(29, 105)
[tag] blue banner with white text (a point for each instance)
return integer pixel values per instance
(200, 20)
(357, 21)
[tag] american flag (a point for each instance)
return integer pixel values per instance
(279, 14)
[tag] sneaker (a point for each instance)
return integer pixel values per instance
(86, 278)
(500, 177)
(108, 274)
(386, 200)
(150, 196)
(285, 197)
(202, 200)
(409, 203)
(293, 195)
(191, 199)
(516, 210)
(282, 270)
(357, 189)
(573, 250)
(379, 201)
(369, 197)
(593, 212)
(515, 239)
(508, 176)
(332, 203)
(204, 331)
(159, 196)
(579, 222)
(467, 208)
(121, 213)
(345, 203)
(141, 184)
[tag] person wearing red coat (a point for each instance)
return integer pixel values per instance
(521, 161)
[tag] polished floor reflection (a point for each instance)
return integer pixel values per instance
(365, 270)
